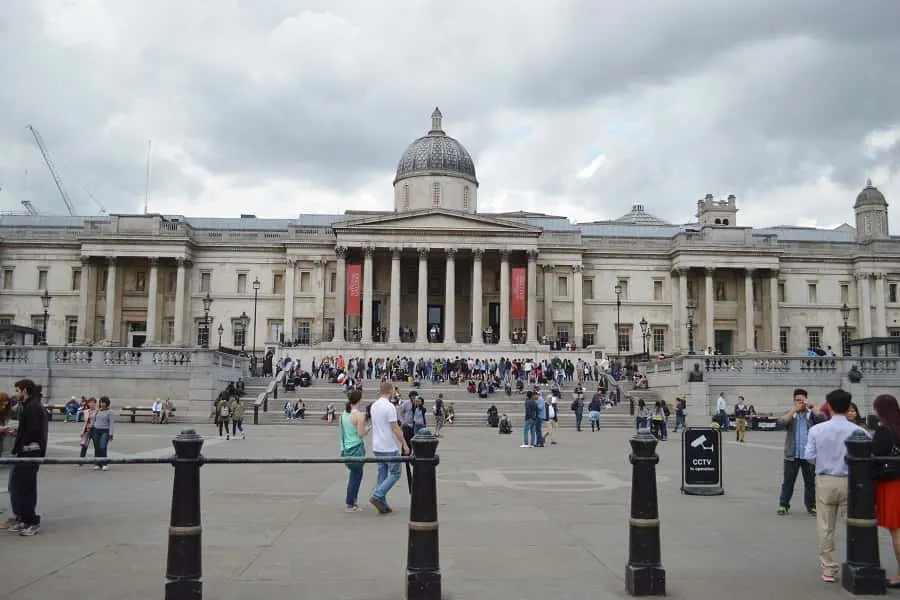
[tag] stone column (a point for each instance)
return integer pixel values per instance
(681, 309)
(748, 312)
(180, 293)
(109, 325)
(394, 320)
(548, 299)
(368, 288)
(578, 307)
(84, 300)
(477, 298)
(880, 312)
(153, 303)
(504, 297)
(422, 301)
(709, 311)
(774, 322)
(290, 272)
(317, 324)
(531, 310)
(340, 294)
(865, 307)
(450, 299)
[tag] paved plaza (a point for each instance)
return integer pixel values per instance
(528, 524)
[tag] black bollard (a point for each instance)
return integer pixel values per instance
(184, 569)
(423, 567)
(861, 574)
(644, 574)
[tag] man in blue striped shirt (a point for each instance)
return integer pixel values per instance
(826, 449)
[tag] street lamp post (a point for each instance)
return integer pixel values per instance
(618, 291)
(45, 302)
(691, 313)
(644, 325)
(221, 331)
(256, 285)
(845, 338)
(244, 320)
(207, 302)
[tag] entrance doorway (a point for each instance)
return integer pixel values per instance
(724, 341)
(494, 319)
(137, 333)
(436, 321)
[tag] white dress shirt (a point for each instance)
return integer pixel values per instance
(825, 445)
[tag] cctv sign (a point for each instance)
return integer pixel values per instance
(702, 461)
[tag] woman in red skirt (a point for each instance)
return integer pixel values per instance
(887, 487)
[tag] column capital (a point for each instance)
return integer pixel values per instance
(774, 273)
(532, 255)
(85, 260)
(451, 253)
(423, 253)
(111, 261)
(577, 268)
(395, 252)
(369, 251)
(878, 275)
(340, 252)
(504, 253)
(861, 276)
(153, 261)
(478, 253)
(681, 271)
(290, 262)
(748, 272)
(318, 261)
(709, 271)
(547, 267)
(181, 262)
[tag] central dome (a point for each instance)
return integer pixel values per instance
(436, 154)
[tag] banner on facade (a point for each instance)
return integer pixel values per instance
(519, 292)
(354, 290)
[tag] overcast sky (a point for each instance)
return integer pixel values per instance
(579, 108)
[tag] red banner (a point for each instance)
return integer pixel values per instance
(354, 290)
(519, 292)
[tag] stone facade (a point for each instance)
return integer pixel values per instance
(434, 263)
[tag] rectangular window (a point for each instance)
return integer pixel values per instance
(71, 330)
(278, 283)
(784, 340)
(42, 279)
(846, 336)
(6, 320)
(690, 290)
(436, 195)
(467, 200)
(205, 280)
(781, 292)
(814, 337)
(562, 287)
(276, 328)
(587, 289)
(76, 280)
(623, 288)
(305, 282)
(892, 293)
(329, 329)
(562, 333)
(303, 332)
(202, 328)
(756, 290)
(101, 280)
(7, 279)
(100, 328)
(658, 290)
(171, 282)
(624, 338)
(590, 333)
(169, 335)
(893, 332)
(332, 283)
(242, 283)
(37, 321)
(813, 293)
(238, 334)
(659, 340)
(405, 197)
(140, 281)
(845, 293)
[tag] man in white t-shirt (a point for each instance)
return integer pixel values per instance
(387, 440)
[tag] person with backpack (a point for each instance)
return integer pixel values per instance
(223, 414)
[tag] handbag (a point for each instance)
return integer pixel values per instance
(886, 470)
(359, 450)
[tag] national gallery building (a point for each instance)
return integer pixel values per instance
(436, 275)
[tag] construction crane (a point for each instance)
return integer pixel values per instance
(56, 179)
(30, 207)
(102, 208)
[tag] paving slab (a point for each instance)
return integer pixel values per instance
(515, 523)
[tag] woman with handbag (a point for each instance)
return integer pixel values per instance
(887, 485)
(353, 430)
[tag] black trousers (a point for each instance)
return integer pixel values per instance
(408, 433)
(23, 484)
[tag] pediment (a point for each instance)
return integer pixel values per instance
(435, 220)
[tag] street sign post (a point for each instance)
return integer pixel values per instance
(701, 462)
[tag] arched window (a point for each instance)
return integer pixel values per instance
(436, 195)
(718, 221)
(724, 221)
(466, 198)
(405, 197)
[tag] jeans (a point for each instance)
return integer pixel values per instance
(353, 482)
(538, 434)
(578, 417)
(679, 422)
(237, 426)
(23, 493)
(528, 438)
(791, 468)
(388, 476)
(101, 441)
(723, 420)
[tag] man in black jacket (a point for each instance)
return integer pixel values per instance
(529, 435)
(31, 441)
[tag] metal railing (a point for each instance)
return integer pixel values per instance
(184, 563)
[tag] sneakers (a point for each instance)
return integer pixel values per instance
(811, 511)
(783, 510)
(16, 527)
(380, 505)
(526, 446)
(30, 531)
(352, 509)
(828, 578)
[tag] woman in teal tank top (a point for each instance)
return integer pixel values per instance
(353, 430)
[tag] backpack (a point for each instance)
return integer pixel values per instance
(223, 410)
